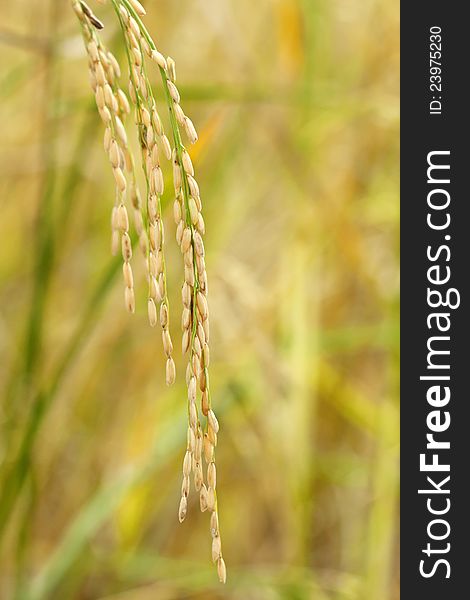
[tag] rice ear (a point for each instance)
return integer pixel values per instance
(113, 106)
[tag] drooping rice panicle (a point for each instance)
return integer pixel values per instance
(112, 106)
(190, 228)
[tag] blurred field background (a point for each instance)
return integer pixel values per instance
(296, 102)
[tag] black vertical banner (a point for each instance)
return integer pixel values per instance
(435, 307)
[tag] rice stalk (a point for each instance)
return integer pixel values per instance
(113, 105)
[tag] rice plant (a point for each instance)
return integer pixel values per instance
(113, 107)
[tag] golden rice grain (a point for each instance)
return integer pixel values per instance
(126, 247)
(179, 114)
(183, 508)
(221, 570)
(129, 299)
(210, 498)
(167, 343)
(190, 130)
(212, 475)
(122, 218)
(159, 59)
(127, 274)
(198, 477)
(216, 548)
(186, 240)
(214, 524)
(170, 371)
(152, 312)
(174, 93)
(185, 486)
(163, 315)
(166, 146)
(171, 65)
(185, 341)
(214, 424)
(208, 449)
(205, 403)
(203, 498)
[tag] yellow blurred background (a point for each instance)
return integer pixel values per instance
(296, 103)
